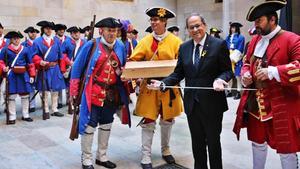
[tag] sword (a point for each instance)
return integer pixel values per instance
(203, 88)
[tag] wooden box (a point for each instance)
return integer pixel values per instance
(148, 69)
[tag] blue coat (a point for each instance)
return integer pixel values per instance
(127, 46)
(18, 83)
(238, 42)
(68, 47)
(53, 77)
(30, 47)
(78, 68)
(60, 42)
(4, 45)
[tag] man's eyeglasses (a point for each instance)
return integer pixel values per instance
(197, 26)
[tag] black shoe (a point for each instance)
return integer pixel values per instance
(146, 166)
(46, 116)
(229, 94)
(28, 119)
(106, 164)
(31, 109)
(11, 122)
(87, 166)
(169, 159)
(237, 96)
(58, 114)
(59, 106)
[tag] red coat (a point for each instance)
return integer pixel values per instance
(284, 97)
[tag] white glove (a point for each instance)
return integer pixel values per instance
(219, 84)
(155, 85)
(31, 80)
(66, 74)
(43, 63)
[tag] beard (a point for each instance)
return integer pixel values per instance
(263, 32)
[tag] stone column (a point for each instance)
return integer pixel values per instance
(296, 16)
(236, 11)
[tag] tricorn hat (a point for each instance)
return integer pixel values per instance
(109, 22)
(87, 28)
(215, 30)
(236, 24)
(45, 24)
(264, 8)
(160, 12)
(13, 34)
(31, 29)
(60, 27)
(73, 29)
(173, 28)
(135, 32)
(149, 29)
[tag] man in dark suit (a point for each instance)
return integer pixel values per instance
(203, 62)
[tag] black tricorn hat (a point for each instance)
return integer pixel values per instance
(215, 30)
(108, 23)
(83, 30)
(13, 34)
(31, 29)
(60, 27)
(173, 28)
(45, 24)
(149, 29)
(134, 31)
(236, 24)
(264, 8)
(74, 29)
(160, 12)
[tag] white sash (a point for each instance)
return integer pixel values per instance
(14, 61)
(77, 45)
(47, 53)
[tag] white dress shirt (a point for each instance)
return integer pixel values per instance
(200, 47)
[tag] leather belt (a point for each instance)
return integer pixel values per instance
(51, 64)
(19, 69)
(104, 85)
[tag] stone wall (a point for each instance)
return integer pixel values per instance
(18, 14)
(210, 10)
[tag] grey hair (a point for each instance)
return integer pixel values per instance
(195, 14)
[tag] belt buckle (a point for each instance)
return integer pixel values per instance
(114, 63)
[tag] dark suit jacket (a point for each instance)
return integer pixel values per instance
(215, 64)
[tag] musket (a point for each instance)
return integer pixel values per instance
(76, 101)
(43, 93)
(43, 89)
(6, 89)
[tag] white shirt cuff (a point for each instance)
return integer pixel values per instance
(273, 73)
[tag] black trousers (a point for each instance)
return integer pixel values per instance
(205, 128)
(101, 115)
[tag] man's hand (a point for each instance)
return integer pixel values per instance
(154, 85)
(5, 69)
(247, 79)
(219, 84)
(66, 74)
(43, 63)
(262, 74)
(31, 80)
